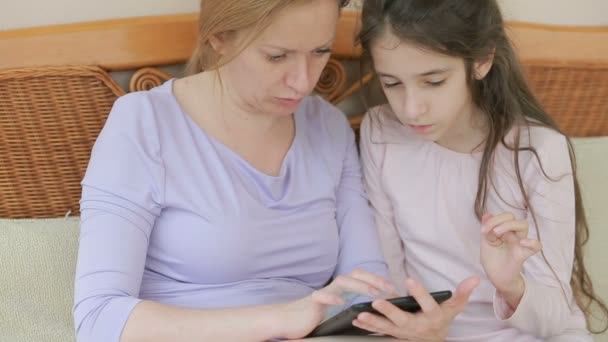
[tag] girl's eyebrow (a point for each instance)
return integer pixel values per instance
(426, 73)
(434, 72)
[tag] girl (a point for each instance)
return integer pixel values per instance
(468, 175)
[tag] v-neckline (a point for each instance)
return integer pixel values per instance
(238, 157)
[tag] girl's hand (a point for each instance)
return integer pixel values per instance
(431, 324)
(299, 318)
(504, 249)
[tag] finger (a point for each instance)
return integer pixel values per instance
(375, 323)
(365, 326)
(394, 314)
(532, 246)
(459, 300)
(519, 227)
(392, 295)
(486, 217)
(427, 303)
(326, 298)
(374, 279)
(491, 238)
(350, 284)
(496, 221)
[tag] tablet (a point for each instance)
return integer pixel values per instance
(341, 324)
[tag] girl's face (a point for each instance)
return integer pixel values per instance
(427, 91)
(282, 66)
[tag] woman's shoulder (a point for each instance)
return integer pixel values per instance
(140, 116)
(143, 103)
(323, 123)
(316, 109)
(143, 112)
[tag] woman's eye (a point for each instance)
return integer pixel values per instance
(276, 58)
(323, 52)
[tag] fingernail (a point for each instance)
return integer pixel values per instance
(410, 283)
(389, 288)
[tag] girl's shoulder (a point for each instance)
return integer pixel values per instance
(381, 126)
(534, 137)
(540, 137)
(540, 147)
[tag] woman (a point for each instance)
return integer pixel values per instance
(217, 207)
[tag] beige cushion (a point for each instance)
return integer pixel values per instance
(592, 161)
(38, 259)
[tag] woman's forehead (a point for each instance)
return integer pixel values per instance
(304, 26)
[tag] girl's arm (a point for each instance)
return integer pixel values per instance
(359, 243)
(547, 306)
(372, 156)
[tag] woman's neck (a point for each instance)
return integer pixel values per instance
(226, 109)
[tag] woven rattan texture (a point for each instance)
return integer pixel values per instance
(49, 120)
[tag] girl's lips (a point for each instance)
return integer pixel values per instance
(420, 128)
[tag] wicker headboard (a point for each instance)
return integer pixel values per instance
(56, 92)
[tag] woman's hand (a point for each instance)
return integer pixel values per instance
(431, 324)
(299, 318)
(504, 249)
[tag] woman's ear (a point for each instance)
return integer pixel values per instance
(482, 67)
(220, 42)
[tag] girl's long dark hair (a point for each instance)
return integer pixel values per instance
(474, 31)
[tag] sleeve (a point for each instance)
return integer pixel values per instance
(372, 156)
(547, 307)
(359, 244)
(121, 196)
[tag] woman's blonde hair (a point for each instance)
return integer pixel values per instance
(228, 18)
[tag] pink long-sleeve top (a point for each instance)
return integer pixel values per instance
(423, 195)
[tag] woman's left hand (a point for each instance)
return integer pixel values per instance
(504, 249)
(431, 324)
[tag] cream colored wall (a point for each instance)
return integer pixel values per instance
(28, 13)
(559, 12)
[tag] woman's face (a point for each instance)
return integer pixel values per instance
(282, 66)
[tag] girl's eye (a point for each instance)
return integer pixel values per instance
(391, 85)
(276, 58)
(436, 84)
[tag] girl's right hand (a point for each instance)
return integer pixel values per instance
(430, 324)
(300, 317)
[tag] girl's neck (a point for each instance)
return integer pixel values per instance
(468, 134)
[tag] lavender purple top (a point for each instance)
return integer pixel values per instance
(172, 215)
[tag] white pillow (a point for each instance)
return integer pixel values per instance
(38, 260)
(592, 165)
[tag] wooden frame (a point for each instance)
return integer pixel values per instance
(124, 44)
(56, 91)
